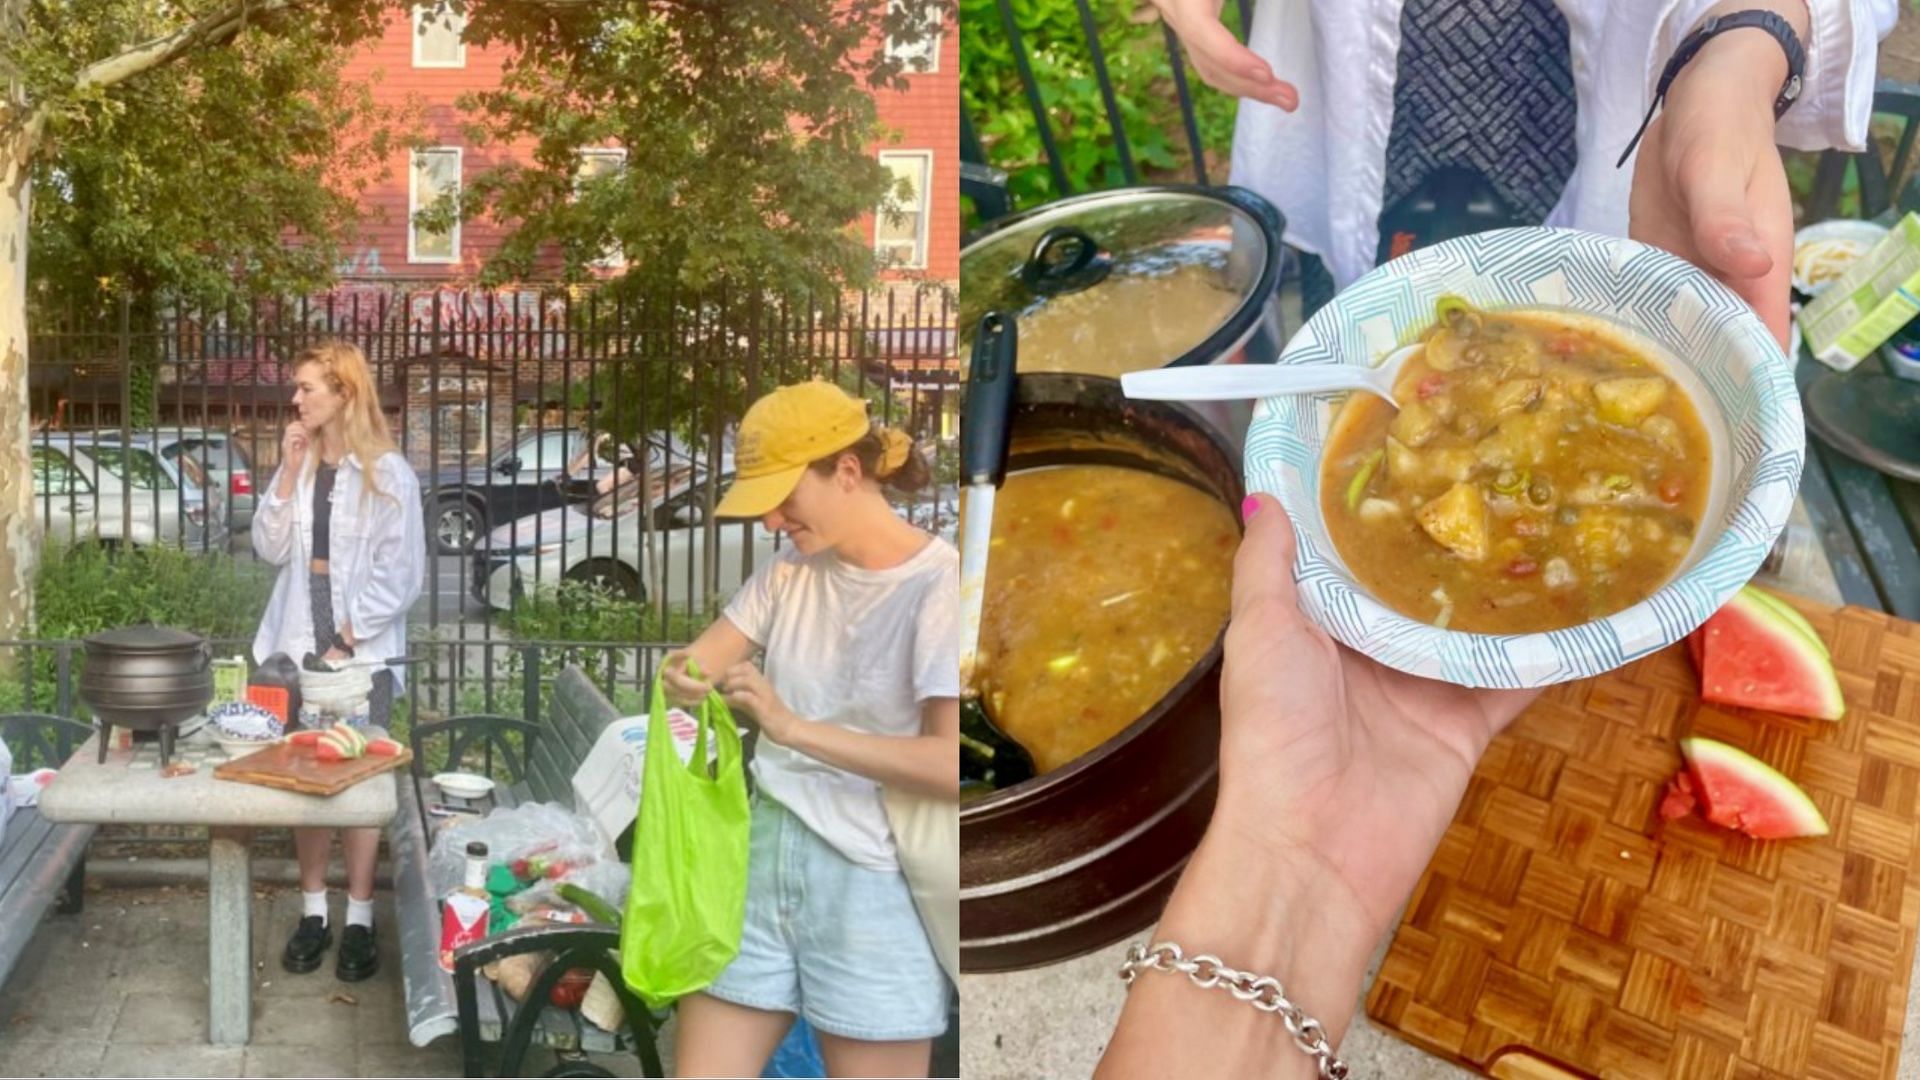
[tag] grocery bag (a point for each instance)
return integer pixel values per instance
(689, 894)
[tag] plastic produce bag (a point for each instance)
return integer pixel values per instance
(688, 899)
(542, 843)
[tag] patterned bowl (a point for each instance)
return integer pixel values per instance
(1714, 347)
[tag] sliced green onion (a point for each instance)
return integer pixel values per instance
(1619, 481)
(1357, 486)
(1444, 308)
(1063, 663)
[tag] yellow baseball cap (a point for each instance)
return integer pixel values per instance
(781, 435)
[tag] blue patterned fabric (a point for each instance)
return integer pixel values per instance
(1485, 85)
(1717, 350)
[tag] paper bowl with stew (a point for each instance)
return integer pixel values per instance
(1596, 448)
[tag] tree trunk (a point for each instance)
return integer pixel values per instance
(19, 527)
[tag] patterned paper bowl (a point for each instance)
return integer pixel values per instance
(1712, 344)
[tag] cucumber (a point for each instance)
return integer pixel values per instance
(590, 902)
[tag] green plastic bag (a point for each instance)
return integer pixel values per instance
(689, 894)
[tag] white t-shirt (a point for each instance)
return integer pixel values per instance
(858, 648)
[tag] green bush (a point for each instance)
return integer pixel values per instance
(1142, 75)
(84, 589)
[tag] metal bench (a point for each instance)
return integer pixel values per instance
(539, 761)
(41, 864)
(1868, 522)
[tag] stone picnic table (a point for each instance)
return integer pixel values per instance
(127, 789)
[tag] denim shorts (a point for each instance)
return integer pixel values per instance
(830, 940)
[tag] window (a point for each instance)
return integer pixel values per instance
(548, 452)
(437, 37)
(900, 225)
(463, 428)
(595, 163)
(918, 54)
(54, 474)
(435, 174)
(147, 472)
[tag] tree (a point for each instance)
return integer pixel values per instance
(125, 117)
(747, 128)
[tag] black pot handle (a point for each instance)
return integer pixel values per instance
(986, 425)
(1065, 260)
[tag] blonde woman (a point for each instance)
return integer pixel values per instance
(342, 521)
(857, 626)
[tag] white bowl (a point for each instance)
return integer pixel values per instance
(1862, 234)
(463, 785)
(1717, 350)
(239, 748)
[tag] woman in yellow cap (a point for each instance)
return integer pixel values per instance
(857, 623)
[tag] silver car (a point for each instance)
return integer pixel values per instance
(603, 543)
(88, 489)
(216, 454)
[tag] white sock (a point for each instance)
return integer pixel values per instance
(360, 912)
(314, 903)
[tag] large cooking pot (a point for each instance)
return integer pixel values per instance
(1075, 859)
(1135, 278)
(146, 678)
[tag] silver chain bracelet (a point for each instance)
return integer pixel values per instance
(1263, 992)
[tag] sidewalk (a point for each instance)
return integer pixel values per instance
(121, 990)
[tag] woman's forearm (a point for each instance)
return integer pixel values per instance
(1261, 909)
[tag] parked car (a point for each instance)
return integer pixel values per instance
(464, 502)
(209, 459)
(90, 489)
(602, 543)
(225, 461)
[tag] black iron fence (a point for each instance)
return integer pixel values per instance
(984, 172)
(570, 447)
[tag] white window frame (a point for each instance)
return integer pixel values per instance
(932, 45)
(926, 210)
(420, 13)
(615, 259)
(413, 201)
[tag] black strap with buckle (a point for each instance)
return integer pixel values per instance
(1772, 23)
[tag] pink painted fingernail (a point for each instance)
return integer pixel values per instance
(1249, 506)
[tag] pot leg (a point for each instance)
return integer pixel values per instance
(106, 736)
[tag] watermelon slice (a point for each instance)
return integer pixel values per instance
(1757, 658)
(1787, 611)
(1739, 791)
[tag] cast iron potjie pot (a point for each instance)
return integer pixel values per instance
(146, 678)
(1077, 858)
(1082, 247)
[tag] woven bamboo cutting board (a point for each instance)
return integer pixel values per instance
(294, 768)
(1561, 920)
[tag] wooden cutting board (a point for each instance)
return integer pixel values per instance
(1562, 922)
(292, 768)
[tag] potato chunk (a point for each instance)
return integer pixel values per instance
(1415, 425)
(1628, 400)
(1457, 521)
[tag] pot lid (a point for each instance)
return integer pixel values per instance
(145, 638)
(1126, 279)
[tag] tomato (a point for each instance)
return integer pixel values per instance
(1432, 385)
(1521, 567)
(1564, 345)
(571, 990)
(1673, 487)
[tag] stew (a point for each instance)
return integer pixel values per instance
(1539, 473)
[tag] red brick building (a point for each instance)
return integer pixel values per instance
(431, 70)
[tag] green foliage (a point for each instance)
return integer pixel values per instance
(746, 127)
(188, 178)
(1142, 74)
(84, 589)
(577, 612)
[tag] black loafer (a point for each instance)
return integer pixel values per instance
(309, 941)
(358, 958)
